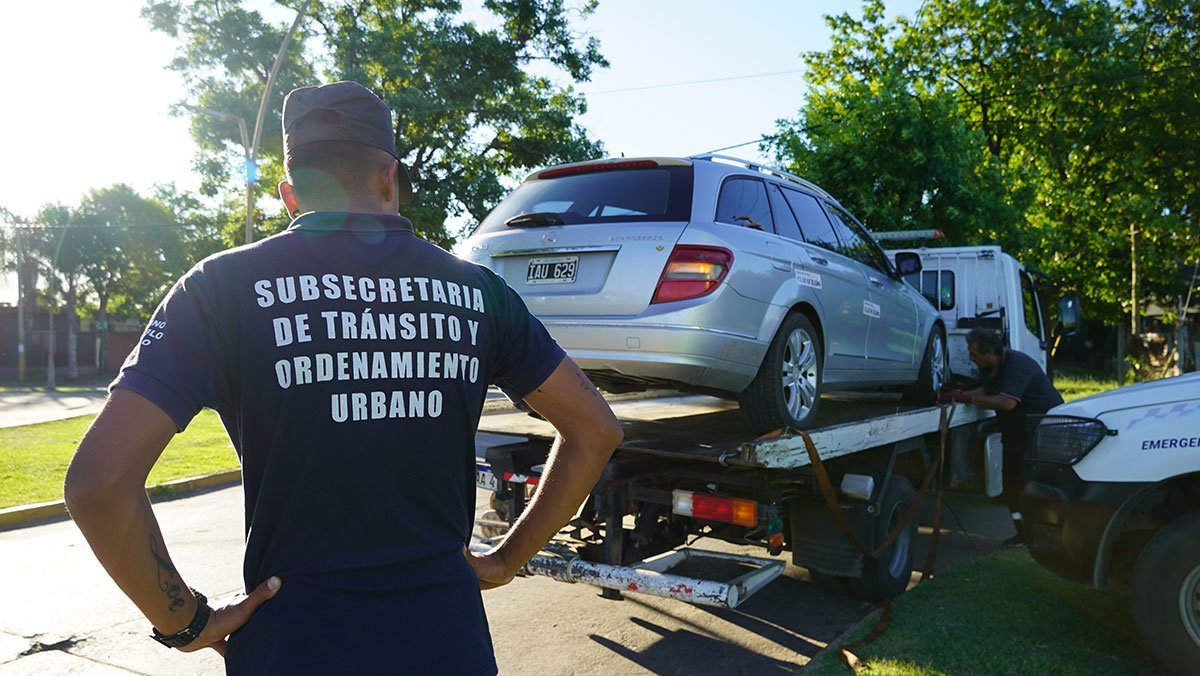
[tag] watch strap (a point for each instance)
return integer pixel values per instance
(189, 633)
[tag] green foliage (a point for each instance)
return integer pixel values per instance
(469, 113)
(1050, 128)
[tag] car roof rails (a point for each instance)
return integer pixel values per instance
(771, 171)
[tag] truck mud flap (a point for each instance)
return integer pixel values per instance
(653, 575)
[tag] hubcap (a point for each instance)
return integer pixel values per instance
(1189, 604)
(799, 374)
(938, 365)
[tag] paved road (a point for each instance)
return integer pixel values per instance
(60, 613)
(26, 407)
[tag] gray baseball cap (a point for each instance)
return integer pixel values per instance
(342, 111)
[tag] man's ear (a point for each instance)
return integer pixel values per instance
(388, 186)
(289, 199)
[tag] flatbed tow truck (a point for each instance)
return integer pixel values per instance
(688, 469)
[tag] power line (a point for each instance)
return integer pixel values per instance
(696, 82)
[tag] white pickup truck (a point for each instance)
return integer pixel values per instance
(1114, 502)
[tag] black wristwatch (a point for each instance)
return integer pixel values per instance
(189, 633)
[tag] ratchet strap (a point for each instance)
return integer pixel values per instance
(827, 492)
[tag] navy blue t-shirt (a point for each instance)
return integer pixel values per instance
(349, 361)
(1020, 378)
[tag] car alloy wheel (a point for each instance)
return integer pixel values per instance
(799, 373)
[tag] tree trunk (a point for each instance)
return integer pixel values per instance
(102, 320)
(1134, 314)
(72, 331)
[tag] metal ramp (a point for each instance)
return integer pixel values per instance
(653, 576)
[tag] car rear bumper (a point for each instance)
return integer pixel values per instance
(688, 355)
(1064, 519)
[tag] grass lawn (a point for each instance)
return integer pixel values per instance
(35, 457)
(1001, 614)
(1077, 385)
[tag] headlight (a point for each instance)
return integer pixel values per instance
(1066, 439)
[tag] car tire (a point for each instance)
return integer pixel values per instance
(1166, 595)
(889, 575)
(934, 373)
(786, 391)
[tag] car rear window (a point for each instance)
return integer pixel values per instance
(622, 196)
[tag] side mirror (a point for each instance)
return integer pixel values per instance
(1068, 314)
(907, 263)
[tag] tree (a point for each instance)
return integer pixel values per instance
(892, 148)
(469, 112)
(1082, 110)
(129, 248)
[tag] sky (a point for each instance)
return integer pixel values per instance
(88, 95)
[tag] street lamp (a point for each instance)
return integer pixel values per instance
(250, 147)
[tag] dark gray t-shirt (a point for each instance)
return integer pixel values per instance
(1020, 378)
(349, 361)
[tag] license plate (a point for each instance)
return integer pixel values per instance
(556, 270)
(485, 479)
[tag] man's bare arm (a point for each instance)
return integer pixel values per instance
(105, 493)
(587, 434)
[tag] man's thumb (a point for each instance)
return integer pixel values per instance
(261, 594)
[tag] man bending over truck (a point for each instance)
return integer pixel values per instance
(1015, 387)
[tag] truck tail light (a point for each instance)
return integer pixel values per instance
(692, 272)
(715, 508)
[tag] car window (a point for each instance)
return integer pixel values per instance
(814, 224)
(605, 196)
(936, 285)
(856, 243)
(1033, 318)
(785, 221)
(743, 201)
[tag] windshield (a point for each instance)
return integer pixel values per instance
(626, 196)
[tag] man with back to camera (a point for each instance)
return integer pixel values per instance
(349, 361)
(1016, 388)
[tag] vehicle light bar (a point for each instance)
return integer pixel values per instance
(692, 272)
(600, 166)
(715, 508)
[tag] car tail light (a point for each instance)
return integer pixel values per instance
(692, 272)
(715, 508)
(600, 166)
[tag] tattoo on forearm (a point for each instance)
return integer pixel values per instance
(171, 588)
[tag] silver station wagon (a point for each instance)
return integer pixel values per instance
(715, 275)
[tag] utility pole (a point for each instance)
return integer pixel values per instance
(20, 306)
(53, 272)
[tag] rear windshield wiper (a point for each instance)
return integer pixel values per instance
(535, 219)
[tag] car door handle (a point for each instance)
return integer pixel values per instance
(876, 283)
(820, 261)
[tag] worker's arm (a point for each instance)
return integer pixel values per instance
(996, 402)
(587, 434)
(106, 495)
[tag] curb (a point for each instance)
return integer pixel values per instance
(830, 651)
(15, 517)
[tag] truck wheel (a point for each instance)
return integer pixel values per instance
(787, 389)
(935, 371)
(1166, 595)
(889, 575)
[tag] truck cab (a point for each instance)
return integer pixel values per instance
(975, 286)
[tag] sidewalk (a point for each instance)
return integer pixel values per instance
(28, 406)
